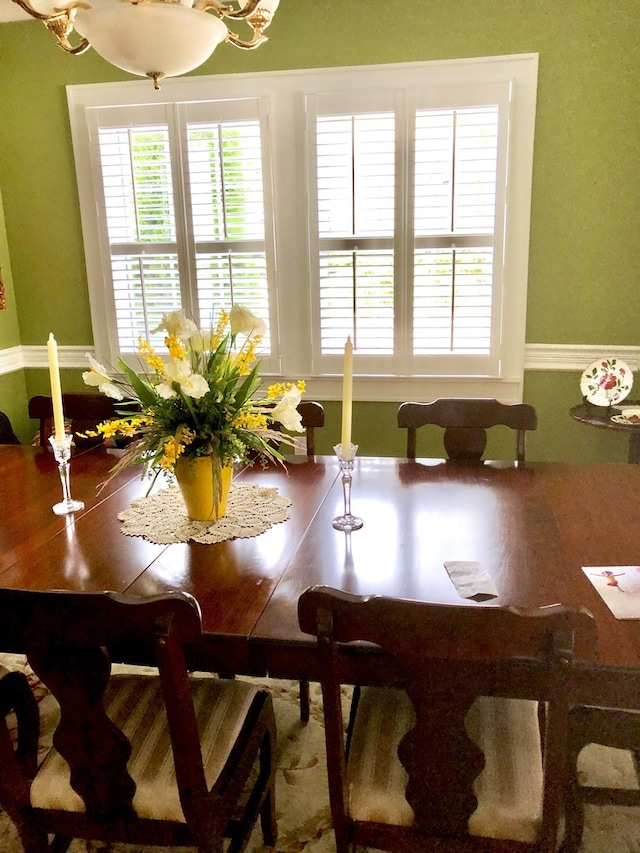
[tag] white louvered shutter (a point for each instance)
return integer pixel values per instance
(407, 225)
(183, 202)
(227, 207)
(456, 153)
(139, 207)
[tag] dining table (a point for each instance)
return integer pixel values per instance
(531, 527)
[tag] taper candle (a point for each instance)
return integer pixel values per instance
(56, 392)
(347, 396)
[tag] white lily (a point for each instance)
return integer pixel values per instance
(98, 377)
(176, 324)
(286, 412)
(192, 384)
(201, 341)
(242, 321)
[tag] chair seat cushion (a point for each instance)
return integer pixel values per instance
(509, 789)
(607, 767)
(135, 704)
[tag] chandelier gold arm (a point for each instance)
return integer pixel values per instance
(60, 23)
(257, 18)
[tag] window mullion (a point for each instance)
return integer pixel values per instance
(184, 223)
(404, 229)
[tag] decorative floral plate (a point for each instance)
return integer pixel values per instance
(606, 382)
(629, 416)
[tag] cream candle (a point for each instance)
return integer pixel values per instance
(347, 396)
(56, 392)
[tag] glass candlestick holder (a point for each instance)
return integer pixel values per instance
(62, 453)
(346, 457)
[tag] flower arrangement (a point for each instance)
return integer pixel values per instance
(201, 401)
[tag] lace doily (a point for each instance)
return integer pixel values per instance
(162, 517)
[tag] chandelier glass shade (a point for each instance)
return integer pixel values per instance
(153, 38)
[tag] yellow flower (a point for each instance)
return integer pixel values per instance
(247, 356)
(279, 389)
(122, 427)
(175, 346)
(154, 361)
(251, 420)
(173, 449)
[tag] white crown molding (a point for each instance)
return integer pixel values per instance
(11, 360)
(69, 358)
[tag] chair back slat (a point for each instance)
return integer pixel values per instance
(465, 421)
(66, 637)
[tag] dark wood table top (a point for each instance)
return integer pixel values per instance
(532, 528)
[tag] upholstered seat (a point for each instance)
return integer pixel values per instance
(135, 704)
(509, 788)
(603, 765)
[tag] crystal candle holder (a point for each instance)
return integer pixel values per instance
(346, 457)
(62, 453)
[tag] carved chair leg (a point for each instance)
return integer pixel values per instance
(573, 801)
(542, 723)
(60, 844)
(574, 822)
(304, 700)
(34, 840)
(268, 822)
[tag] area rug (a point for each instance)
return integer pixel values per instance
(304, 819)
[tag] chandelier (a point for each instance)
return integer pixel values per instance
(153, 38)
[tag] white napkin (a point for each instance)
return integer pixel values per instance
(471, 580)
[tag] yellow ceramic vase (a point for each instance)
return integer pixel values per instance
(195, 477)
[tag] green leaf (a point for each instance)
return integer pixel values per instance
(143, 390)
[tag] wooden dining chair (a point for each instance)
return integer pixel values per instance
(465, 422)
(155, 758)
(614, 728)
(312, 416)
(7, 435)
(446, 756)
(83, 409)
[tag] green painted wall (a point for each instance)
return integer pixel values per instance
(13, 392)
(584, 262)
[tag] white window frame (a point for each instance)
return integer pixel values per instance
(283, 97)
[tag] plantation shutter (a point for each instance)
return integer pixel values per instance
(356, 202)
(139, 207)
(227, 203)
(183, 202)
(456, 154)
(408, 217)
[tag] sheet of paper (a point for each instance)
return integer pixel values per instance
(471, 580)
(619, 588)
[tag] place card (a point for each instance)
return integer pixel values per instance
(619, 588)
(471, 580)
